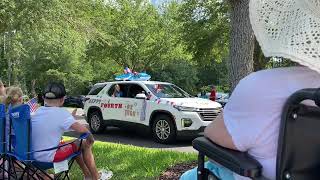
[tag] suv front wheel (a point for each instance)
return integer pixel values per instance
(163, 129)
(96, 122)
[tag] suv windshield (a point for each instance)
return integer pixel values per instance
(167, 91)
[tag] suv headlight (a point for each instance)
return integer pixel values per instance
(184, 108)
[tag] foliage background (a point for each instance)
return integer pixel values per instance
(84, 42)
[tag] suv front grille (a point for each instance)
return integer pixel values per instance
(209, 114)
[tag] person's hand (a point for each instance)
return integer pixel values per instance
(90, 139)
(74, 112)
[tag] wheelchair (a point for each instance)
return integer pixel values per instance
(298, 154)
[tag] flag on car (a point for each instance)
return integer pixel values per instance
(33, 104)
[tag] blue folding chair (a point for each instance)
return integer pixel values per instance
(22, 151)
(3, 143)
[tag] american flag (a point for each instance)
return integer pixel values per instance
(33, 104)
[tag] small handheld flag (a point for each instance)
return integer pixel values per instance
(33, 104)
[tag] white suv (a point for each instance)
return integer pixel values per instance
(161, 108)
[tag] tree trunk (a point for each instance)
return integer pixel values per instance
(33, 88)
(241, 43)
(260, 62)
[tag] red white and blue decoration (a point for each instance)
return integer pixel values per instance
(129, 75)
(33, 104)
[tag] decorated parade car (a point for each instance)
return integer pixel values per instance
(161, 108)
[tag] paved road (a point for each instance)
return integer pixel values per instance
(122, 136)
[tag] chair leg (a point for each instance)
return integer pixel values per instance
(28, 174)
(9, 168)
(14, 170)
(3, 166)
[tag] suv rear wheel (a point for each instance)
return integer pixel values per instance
(163, 129)
(96, 122)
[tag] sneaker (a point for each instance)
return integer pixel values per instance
(105, 175)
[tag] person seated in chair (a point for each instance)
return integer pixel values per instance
(117, 91)
(48, 125)
(251, 119)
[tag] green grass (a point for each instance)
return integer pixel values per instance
(130, 162)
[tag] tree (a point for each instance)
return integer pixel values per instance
(205, 30)
(242, 42)
(49, 42)
(82, 42)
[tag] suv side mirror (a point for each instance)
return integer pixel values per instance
(141, 96)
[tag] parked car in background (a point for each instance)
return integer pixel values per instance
(221, 98)
(74, 101)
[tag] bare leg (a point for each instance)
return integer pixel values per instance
(89, 160)
(80, 160)
(83, 166)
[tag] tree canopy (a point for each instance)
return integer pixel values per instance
(84, 42)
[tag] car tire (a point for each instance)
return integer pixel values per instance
(96, 122)
(163, 129)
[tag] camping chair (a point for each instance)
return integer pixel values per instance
(298, 145)
(22, 153)
(3, 142)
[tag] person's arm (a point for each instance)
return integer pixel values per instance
(218, 133)
(82, 129)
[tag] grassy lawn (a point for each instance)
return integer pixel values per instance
(130, 162)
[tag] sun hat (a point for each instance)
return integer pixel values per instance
(289, 29)
(54, 90)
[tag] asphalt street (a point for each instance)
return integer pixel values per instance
(124, 136)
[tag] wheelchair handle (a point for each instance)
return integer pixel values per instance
(305, 94)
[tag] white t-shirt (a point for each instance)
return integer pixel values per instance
(252, 115)
(48, 126)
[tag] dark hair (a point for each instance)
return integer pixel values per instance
(54, 90)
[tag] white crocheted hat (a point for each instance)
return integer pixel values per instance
(289, 29)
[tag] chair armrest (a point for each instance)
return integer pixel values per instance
(84, 135)
(236, 161)
(81, 137)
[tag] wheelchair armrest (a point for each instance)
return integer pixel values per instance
(236, 161)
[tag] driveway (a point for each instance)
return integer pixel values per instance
(123, 136)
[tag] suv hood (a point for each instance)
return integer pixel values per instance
(193, 102)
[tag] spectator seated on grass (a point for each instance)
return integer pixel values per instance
(48, 125)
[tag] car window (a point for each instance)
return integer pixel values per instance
(123, 90)
(167, 91)
(135, 89)
(96, 89)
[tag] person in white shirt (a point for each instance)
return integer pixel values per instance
(48, 125)
(251, 119)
